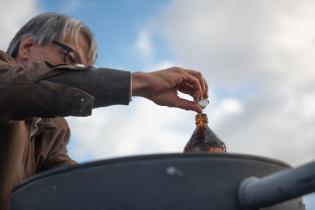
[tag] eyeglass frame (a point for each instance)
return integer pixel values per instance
(68, 50)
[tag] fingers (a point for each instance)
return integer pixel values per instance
(202, 82)
(164, 85)
(186, 88)
(196, 85)
(193, 86)
(187, 105)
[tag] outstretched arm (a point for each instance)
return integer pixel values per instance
(40, 90)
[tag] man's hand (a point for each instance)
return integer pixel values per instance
(161, 87)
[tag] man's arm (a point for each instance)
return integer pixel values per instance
(107, 86)
(160, 86)
(41, 90)
(30, 91)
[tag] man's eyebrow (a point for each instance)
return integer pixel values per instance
(63, 45)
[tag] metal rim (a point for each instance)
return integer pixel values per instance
(227, 157)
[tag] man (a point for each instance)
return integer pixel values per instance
(47, 74)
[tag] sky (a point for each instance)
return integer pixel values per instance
(257, 56)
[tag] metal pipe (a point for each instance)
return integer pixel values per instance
(255, 193)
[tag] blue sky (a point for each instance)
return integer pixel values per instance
(116, 25)
(257, 56)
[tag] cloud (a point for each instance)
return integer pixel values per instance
(141, 128)
(255, 38)
(260, 54)
(257, 58)
(143, 44)
(13, 15)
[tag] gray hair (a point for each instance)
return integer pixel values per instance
(47, 27)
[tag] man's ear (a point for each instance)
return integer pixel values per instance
(25, 48)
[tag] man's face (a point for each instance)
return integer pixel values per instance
(54, 52)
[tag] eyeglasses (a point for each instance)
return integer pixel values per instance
(70, 56)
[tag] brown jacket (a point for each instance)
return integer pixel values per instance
(33, 101)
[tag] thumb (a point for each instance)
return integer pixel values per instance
(187, 105)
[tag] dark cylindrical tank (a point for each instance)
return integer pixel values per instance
(154, 182)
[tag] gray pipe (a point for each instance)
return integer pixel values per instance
(255, 193)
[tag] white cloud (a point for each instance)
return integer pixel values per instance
(261, 53)
(141, 128)
(237, 42)
(308, 106)
(143, 44)
(231, 106)
(268, 109)
(161, 65)
(13, 15)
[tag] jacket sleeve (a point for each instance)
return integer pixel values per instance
(107, 86)
(42, 90)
